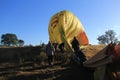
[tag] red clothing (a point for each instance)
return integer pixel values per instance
(117, 53)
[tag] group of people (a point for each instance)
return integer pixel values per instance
(50, 51)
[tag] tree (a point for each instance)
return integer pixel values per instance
(20, 42)
(102, 39)
(9, 39)
(108, 37)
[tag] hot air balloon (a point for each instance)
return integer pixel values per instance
(63, 27)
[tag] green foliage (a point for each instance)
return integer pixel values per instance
(10, 39)
(108, 37)
(20, 42)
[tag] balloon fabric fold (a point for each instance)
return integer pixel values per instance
(63, 27)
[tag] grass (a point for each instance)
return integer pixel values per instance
(30, 63)
(17, 60)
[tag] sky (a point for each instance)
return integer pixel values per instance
(29, 19)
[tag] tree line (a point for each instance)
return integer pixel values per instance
(10, 39)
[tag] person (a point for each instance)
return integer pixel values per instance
(75, 45)
(55, 46)
(61, 47)
(50, 50)
(80, 57)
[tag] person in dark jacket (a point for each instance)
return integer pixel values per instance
(61, 47)
(78, 53)
(75, 45)
(50, 50)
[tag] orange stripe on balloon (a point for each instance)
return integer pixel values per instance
(82, 38)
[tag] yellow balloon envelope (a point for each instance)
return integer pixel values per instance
(63, 27)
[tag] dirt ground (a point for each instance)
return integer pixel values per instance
(59, 71)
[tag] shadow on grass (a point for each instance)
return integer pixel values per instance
(70, 72)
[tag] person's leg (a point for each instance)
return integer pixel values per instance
(49, 60)
(82, 56)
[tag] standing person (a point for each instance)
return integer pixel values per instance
(50, 50)
(80, 57)
(75, 45)
(55, 46)
(61, 47)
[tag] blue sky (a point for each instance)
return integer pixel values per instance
(29, 19)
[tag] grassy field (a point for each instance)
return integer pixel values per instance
(30, 63)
